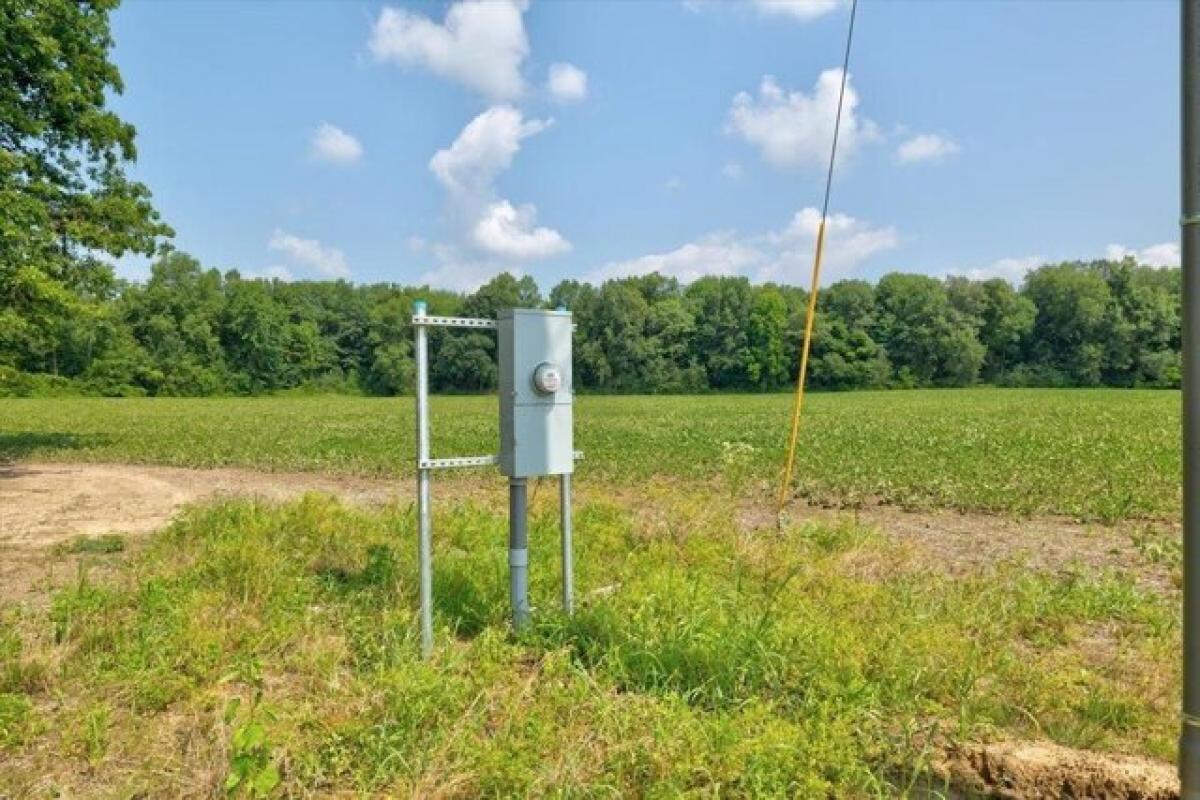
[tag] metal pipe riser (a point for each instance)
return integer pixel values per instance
(1189, 761)
(424, 513)
(518, 552)
(568, 546)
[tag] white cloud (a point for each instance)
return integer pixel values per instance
(458, 276)
(715, 254)
(567, 83)
(1012, 269)
(793, 129)
(926, 147)
(459, 272)
(484, 149)
(331, 143)
(673, 184)
(481, 44)
(468, 169)
(732, 170)
(848, 242)
(505, 230)
(1156, 255)
(328, 261)
(803, 10)
(784, 255)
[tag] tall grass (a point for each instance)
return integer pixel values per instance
(821, 661)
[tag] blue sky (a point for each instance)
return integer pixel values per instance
(445, 142)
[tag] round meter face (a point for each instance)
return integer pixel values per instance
(546, 378)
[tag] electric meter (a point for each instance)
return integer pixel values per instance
(536, 396)
(546, 378)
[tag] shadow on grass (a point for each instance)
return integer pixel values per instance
(379, 573)
(21, 444)
(468, 602)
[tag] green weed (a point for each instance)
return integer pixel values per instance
(741, 666)
(252, 769)
(14, 719)
(104, 544)
(88, 734)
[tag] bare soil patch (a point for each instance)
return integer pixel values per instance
(963, 542)
(1041, 770)
(45, 504)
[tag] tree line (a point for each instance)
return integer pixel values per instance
(68, 325)
(193, 331)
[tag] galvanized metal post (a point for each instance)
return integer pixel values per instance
(424, 522)
(1189, 740)
(568, 557)
(518, 552)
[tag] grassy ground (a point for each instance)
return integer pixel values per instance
(263, 649)
(273, 648)
(1104, 454)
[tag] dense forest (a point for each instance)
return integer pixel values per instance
(195, 331)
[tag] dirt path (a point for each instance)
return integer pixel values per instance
(44, 504)
(961, 543)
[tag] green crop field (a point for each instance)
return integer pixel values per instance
(1103, 454)
(271, 649)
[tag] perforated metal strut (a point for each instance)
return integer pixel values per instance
(453, 322)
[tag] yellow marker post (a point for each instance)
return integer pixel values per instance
(798, 405)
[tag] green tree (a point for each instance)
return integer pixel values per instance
(466, 362)
(928, 342)
(766, 347)
(721, 307)
(1006, 321)
(844, 355)
(851, 301)
(1072, 325)
(616, 354)
(999, 316)
(254, 335)
(175, 318)
(673, 367)
(1143, 345)
(846, 358)
(501, 292)
(63, 189)
(389, 365)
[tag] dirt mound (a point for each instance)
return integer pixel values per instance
(1041, 771)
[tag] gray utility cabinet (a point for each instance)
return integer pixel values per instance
(536, 393)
